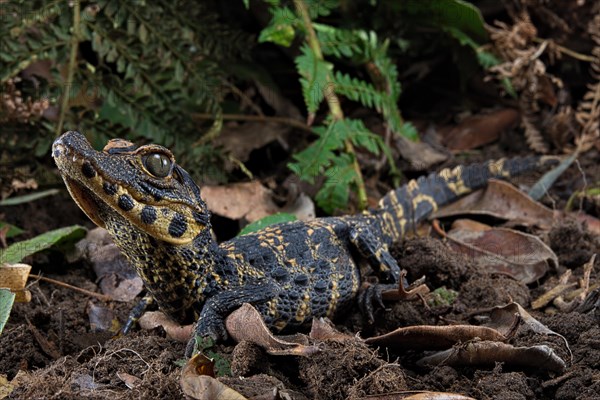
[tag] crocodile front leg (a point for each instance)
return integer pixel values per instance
(211, 323)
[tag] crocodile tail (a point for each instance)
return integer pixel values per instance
(401, 209)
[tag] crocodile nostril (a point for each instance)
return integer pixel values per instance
(58, 149)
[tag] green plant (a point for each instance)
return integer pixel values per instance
(132, 69)
(332, 154)
(374, 83)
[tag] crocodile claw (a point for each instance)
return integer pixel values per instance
(371, 299)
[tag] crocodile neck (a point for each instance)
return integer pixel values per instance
(177, 276)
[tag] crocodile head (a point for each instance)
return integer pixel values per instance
(130, 187)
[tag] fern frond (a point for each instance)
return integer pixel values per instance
(313, 79)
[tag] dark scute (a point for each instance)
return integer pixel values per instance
(87, 170)
(201, 218)
(178, 226)
(125, 202)
(280, 274)
(321, 286)
(148, 215)
(301, 279)
(109, 188)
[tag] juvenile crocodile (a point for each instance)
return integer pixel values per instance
(290, 272)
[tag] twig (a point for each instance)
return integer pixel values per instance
(70, 66)
(261, 118)
(99, 296)
(567, 51)
(332, 100)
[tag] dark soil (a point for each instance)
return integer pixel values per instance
(49, 346)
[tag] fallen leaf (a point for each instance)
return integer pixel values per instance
(488, 353)
(205, 387)
(420, 155)
(117, 278)
(434, 337)
(14, 277)
(240, 140)
(46, 345)
(246, 323)
(477, 130)
(154, 319)
(197, 381)
(248, 200)
(102, 319)
(129, 380)
(520, 255)
(322, 329)
(500, 316)
(419, 395)
(503, 201)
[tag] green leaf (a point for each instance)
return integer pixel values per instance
(178, 71)
(277, 218)
(280, 30)
(12, 230)
(11, 201)
(143, 33)
(7, 299)
(314, 77)
(18, 251)
(540, 188)
(459, 14)
(335, 192)
(312, 161)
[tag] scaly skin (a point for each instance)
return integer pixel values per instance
(290, 272)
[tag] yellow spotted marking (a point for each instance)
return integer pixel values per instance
(412, 185)
(496, 168)
(424, 198)
(333, 298)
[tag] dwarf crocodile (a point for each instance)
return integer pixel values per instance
(290, 272)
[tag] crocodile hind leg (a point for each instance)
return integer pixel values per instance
(211, 323)
(378, 256)
(375, 252)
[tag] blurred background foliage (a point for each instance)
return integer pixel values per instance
(172, 72)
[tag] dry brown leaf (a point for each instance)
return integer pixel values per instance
(434, 337)
(419, 395)
(246, 323)
(248, 200)
(489, 353)
(240, 139)
(197, 381)
(501, 318)
(501, 200)
(102, 319)
(154, 319)
(420, 155)
(322, 329)
(480, 129)
(117, 278)
(14, 277)
(46, 345)
(129, 380)
(520, 255)
(592, 223)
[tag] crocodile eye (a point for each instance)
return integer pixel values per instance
(158, 164)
